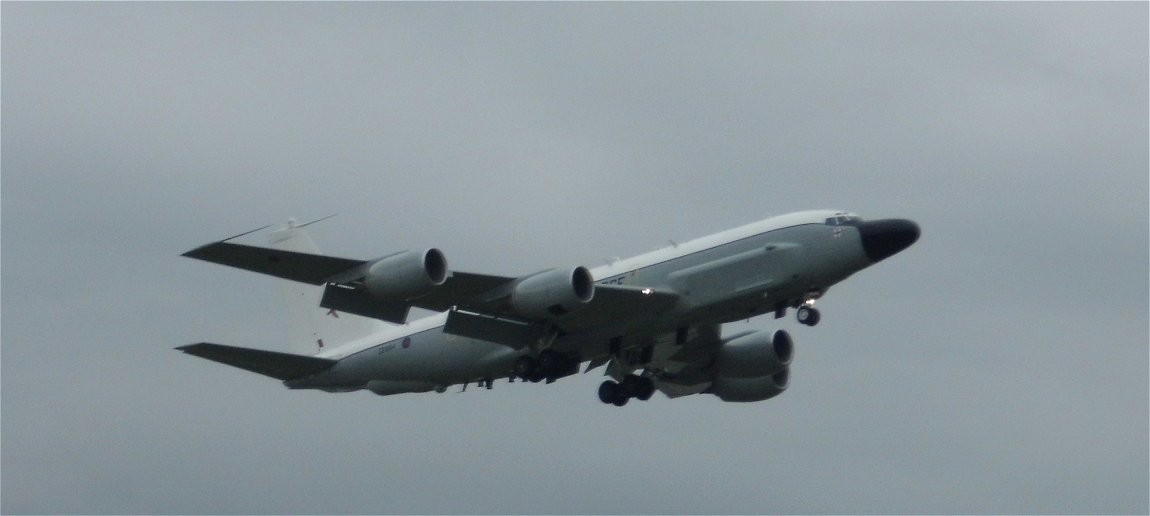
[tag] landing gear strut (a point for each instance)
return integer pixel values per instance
(633, 386)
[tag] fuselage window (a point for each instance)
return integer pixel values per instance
(843, 220)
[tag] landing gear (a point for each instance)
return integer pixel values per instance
(808, 315)
(645, 388)
(611, 394)
(633, 386)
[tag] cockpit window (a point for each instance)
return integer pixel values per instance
(843, 219)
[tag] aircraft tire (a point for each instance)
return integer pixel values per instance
(646, 389)
(608, 392)
(808, 316)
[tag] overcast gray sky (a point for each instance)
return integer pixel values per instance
(998, 366)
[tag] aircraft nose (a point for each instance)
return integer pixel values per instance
(884, 238)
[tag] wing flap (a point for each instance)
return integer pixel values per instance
(359, 302)
(281, 366)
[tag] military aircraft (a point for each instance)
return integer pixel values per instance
(653, 320)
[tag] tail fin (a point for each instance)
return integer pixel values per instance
(314, 328)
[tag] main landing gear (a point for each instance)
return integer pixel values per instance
(633, 386)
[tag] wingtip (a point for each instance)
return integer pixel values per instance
(194, 252)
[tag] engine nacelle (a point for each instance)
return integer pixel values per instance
(755, 355)
(552, 293)
(406, 275)
(751, 389)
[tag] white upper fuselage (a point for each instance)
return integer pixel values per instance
(713, 240)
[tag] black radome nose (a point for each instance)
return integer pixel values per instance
(884, 238)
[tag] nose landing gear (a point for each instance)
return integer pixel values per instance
(808, 314)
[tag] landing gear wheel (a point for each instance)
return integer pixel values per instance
(646, 389)
(638, 387)
(608, 392)
(808, 315)
(632, 386)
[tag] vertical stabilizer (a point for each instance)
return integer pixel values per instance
(314, 328)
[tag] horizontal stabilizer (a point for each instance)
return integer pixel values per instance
(303, 267)
(281, 366)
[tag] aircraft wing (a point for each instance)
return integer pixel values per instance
(303, 267)
(489, 294)
(464, 289)
(488, 298)
(459, 289)
(611, 303)
(618, 302)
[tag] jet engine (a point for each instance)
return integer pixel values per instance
(753, 367)
(552, 293)
(751, 389)
(755, 355)
(406, 275)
